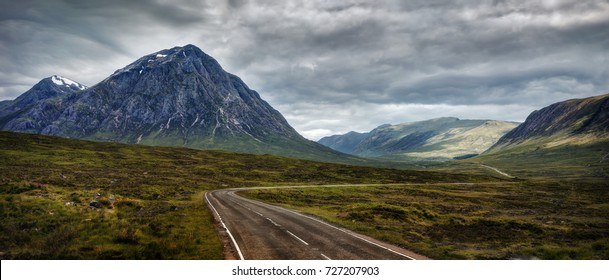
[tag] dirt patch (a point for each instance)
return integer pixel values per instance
(227, 246)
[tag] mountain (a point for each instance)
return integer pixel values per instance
(566, 140)
(436, 139)
(345, 143)
(174, 97)
(38, 100)
(575, 121)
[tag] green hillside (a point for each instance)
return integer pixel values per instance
(534, 159)
(566, 140)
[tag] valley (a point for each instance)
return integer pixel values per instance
(503, 220)
(123, 170)
(151, 203)
(72, 199)
(438, 139)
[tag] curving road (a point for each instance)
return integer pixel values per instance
(264, 232)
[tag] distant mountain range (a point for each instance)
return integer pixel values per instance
(174, 97)
(182, 97)
(576, 122)
(436, 139)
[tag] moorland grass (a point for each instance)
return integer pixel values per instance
(149, 201)
(519, 220)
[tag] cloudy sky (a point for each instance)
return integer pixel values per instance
(332, 66)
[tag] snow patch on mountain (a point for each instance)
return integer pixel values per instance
(61, 81)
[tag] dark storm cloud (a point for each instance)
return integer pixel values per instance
(502, 58)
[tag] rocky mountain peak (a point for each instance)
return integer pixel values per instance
(47, 88)
(187, 55)
(174, 97)
(42, 102)
(64, 83)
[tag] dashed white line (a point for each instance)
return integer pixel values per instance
(232, 193)
(277, 225)
(299, 239)
(322, 222)
(273, 222)
(326, 257)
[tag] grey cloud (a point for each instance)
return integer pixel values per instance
(105, 22)
(289, 34)
(85, 40)
(484, 54)
(70, 11)
(456, 44)
(330, 118)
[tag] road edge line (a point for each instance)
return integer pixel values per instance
(224, 226)
(346, 231)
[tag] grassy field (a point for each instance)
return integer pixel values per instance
(557, 207)
(69, 199)
(147, 201)
(521, 220)
(585, 162)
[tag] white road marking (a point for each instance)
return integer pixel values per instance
(299, 239)
(231, 192)
(324, 223)
(326, 257)
(273, 222)
(242, 205)
(276, 224)
(223, 225)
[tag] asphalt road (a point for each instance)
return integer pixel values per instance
(260, 231)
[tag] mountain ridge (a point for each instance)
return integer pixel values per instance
(41, 98)
(174, 97)
(567, 140)
(571, 121)
(435, 139)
